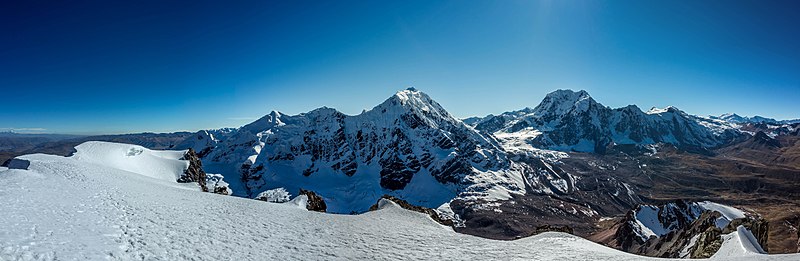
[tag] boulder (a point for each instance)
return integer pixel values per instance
(16, 163)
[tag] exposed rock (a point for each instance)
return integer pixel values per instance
(758, 226)
(691, 231)
(16, 163)
(404, 204)
(216, 184)
(194, 173)
(625, 237)
(671, 244)
(707, 244)
(315, 202)
(552, 228)
(222, 190)
(763, 139)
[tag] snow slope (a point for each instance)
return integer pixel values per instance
(164, 165)
(81, 208)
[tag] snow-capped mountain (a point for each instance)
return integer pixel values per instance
(486, 174)
(408, 146)
(735, 118)
(573, 121)
(412, 148)
(204, 141)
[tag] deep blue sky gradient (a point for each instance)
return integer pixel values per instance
(128, 66)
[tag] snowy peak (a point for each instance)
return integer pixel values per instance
(735, 118)
(569, 120)
(668, 109)
(408, 146)
(562, 102)
(268, 121)
(732, 117)
(413, 101)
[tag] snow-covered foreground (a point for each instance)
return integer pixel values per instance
(73, 208)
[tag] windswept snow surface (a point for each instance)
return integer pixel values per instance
(64, 208)
(164, 165)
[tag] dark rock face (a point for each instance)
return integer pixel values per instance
(707, 244)
(315, 202)
(552, 228)
(625, 237)
(18, 164)
(763, 139)
(195, 171)
(404, 204)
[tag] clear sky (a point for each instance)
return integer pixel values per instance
(131, 66)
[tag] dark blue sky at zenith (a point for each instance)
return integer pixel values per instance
(129, 66)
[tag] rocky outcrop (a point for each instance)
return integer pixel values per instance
(707, 243)
(16, 163)
(315, 202)
(404, 204)
(758, 226)
(682, 230)
(552, 228)
(625, 237)
(710, 241)
(194, 173)
(216, 184)
(672, 244)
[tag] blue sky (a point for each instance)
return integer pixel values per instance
(114, 66)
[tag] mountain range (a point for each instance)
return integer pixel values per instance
(569, 164)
